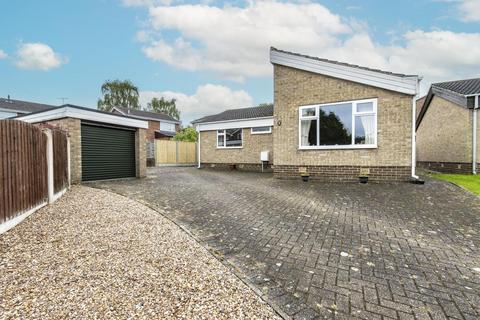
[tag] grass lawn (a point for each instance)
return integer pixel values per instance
(470, 182)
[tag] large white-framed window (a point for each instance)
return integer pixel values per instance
(340, 125)
(230, 138)
(261, 130)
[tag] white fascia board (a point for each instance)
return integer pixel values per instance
(406, 84)
(235, 124)
(82, 114)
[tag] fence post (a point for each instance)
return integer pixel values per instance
(48, 133)
(176, 152)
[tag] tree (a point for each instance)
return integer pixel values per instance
(165, 106)
(118, 93)
(265, 104)
(186, 134)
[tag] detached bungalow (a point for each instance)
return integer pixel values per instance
(448, 129)
(331, 121)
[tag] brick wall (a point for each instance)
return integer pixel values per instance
(445, 133)
(253, 144)
(294, 88)
(152, 127)
(446, 167)
(73, 127)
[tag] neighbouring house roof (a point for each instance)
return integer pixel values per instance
(238, 114)
(146, 115)
(23, 107)
(164, 133)
(83, 113)
(454, 91)
(403, 83)
(463, 87)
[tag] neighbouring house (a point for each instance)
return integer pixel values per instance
(448, 129)
(160, 125)
(103, 145)
(10, 108)
(331, 121)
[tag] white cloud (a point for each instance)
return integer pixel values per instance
(145, 3)
(470, 10)
(3, 55)
(208, 99)
(233, 41)
(38, 56)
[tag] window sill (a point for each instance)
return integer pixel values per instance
(354, 147)
(223, 148)
(261, 132)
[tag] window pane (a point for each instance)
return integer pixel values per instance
(308, 133)
(365, 129)
(365, 107)
(261, 129)
(221, 139)
(233, 137)
(336, 125)
(308, 112)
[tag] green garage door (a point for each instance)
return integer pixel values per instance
(107, 153)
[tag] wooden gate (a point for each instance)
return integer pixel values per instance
(175, 152)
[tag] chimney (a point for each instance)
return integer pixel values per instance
(8, 97)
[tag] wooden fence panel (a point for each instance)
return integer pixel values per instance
(60, 160)
(23, 168)
(175, 152)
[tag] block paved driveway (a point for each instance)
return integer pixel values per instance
(342, 251)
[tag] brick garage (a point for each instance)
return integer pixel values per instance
(74, 119)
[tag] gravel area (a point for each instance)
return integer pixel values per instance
(95, 254)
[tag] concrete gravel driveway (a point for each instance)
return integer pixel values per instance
(98, 255)
(316, 250)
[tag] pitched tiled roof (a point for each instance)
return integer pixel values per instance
(141, 114)
(239, 114)
(23, 106)
(463, 87)
(343, 63)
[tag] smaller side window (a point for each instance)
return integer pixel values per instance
(261, 130)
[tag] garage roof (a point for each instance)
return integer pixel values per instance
(83, 113)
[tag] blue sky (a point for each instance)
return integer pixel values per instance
(213, 55)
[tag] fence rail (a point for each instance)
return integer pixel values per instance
(24, 169)
(175, 152)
